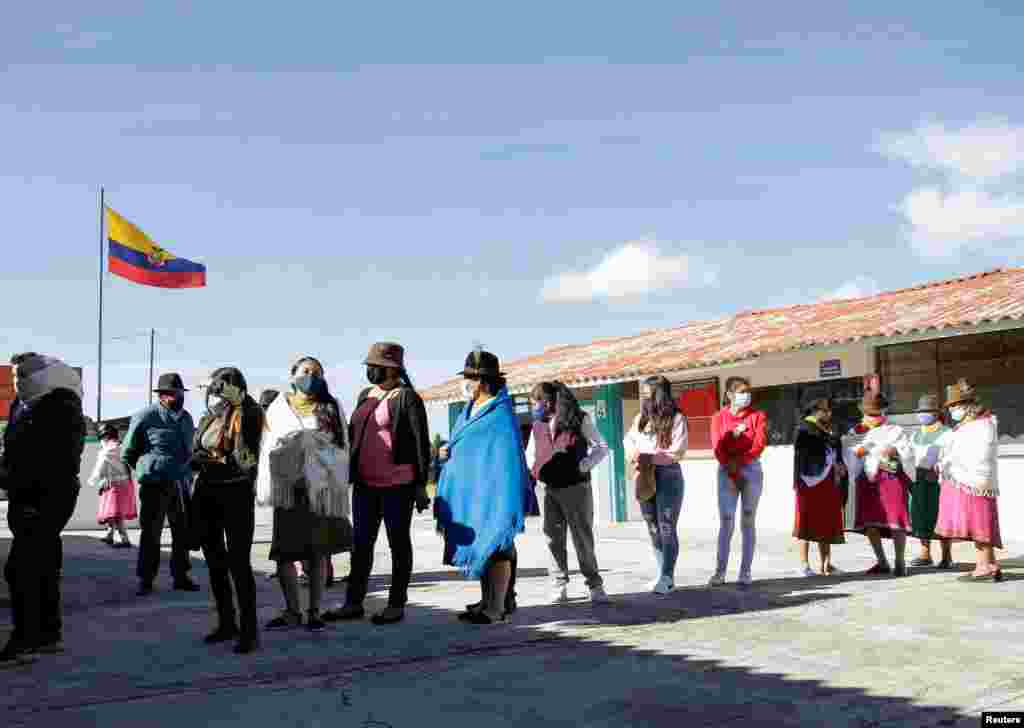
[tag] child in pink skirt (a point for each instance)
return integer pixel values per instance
(117, 491)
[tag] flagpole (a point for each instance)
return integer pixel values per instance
(152, 340)
(99, 354)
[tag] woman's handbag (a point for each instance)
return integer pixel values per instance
(645, 481)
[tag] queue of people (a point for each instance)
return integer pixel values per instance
(333, 482)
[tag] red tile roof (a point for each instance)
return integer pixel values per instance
(987, 297)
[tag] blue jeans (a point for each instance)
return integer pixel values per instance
(662, 514)
(727, 502)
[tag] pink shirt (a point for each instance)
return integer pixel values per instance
(377, 466)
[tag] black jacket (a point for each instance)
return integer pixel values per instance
(409, 433)
(43, 448)
(242, 461)
(812, 443)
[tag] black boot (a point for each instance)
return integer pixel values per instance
(225, 632)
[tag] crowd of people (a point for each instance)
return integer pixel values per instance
(332, 481)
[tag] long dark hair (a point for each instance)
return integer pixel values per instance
(568, 414)
(659, 411)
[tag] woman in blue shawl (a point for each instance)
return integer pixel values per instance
(480, 499)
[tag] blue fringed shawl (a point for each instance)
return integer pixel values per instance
(480, 499)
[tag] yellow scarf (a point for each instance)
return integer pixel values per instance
(304, 405)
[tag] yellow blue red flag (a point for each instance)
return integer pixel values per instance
(134, 256)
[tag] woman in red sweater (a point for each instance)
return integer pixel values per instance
(739, 436)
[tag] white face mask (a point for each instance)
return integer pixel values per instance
(469, 389)
(958, 413)
(741, 399)
(217, 404)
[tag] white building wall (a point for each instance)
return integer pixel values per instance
(777, 505)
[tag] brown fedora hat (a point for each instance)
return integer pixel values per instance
(386, 354)
(959, 392)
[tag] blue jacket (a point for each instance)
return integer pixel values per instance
(158, 448)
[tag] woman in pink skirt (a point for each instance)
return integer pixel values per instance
(880, 459)
(968, 468)
(113, 479)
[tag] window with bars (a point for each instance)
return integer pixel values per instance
(783, 405)
(993, 363)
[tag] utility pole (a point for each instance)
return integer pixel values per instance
(152, 345)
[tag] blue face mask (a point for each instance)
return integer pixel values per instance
(926, 418)
(308, 384)
(538, 412)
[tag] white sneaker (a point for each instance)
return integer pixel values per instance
(716, 580)
(663, 586)
(560, 595)
(806, 570)
(599, 596)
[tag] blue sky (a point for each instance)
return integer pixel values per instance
(530, 176)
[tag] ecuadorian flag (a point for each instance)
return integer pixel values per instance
(135, 257)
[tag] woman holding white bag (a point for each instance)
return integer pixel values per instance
(304, 475)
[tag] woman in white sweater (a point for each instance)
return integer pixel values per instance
(659, 431)
(969, 470)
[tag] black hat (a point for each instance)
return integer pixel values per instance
(108, 430)
(481, 364)
(170, 383)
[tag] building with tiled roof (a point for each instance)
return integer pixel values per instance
(988, 298)
(918, 340)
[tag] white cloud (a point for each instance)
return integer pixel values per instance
(982, 166)
(859, 287)
(943, 224)
(988, 149)
(634, 269)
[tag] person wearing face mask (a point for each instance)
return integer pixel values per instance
(158, 447)
(481, 500)
(564, 447)
(39, 470)
(390, 467)
(818, 471)
(225, 456)
(661, 432)
(304, 474)
(969, 470)
(113, 480)
(927, 443)
(739, 435)
(880, 461)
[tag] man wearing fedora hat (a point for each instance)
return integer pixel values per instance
(158, 447)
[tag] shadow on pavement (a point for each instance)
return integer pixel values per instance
(532, 669)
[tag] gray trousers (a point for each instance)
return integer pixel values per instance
(571, 509)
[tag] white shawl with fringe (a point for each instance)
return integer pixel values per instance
(293, 454)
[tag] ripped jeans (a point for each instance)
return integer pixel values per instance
(662, 514)
(728, 499)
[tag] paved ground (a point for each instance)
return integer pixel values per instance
(845, 651)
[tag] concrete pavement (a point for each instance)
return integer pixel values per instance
(845, 651)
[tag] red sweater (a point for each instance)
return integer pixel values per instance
(745, 448)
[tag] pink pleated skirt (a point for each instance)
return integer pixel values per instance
(883, 504)
(964, 516)
(118, 503)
